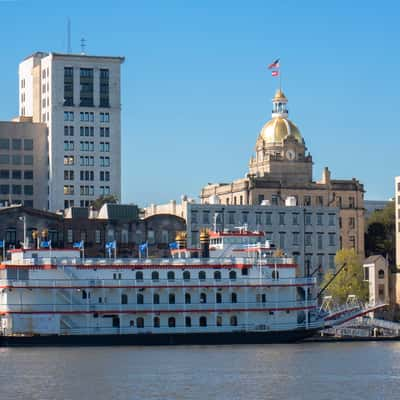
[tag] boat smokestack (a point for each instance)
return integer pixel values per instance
(181, 240)
(205, 243)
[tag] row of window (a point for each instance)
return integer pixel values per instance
(86, 116)
(85, 190)
(86, 161)
(16, 144)
(16, 174)
(84, 175)
(17, 189)
(87, 131)
(16, 159)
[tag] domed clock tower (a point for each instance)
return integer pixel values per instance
(280, 149)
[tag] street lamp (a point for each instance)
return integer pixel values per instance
(23, 218)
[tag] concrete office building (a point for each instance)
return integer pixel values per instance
(23, 163)
(78, 97)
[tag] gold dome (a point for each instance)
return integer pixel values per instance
(276, 130)
(279, 95)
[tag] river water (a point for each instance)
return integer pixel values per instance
(293, 371)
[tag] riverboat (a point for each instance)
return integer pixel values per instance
(235, 288)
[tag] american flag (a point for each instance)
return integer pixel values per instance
(275, 73)
(274, 64)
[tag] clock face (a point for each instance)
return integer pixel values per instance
(290, 155)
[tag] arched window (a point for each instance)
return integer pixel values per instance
(171, 275)
(381, 274)
(218, 297)
(219, 320)
(264, 298)
(203, 321)
(188, 299)
(156, 322)
(275, 274)
(186, 275)
(156, 298)
(124, 299)
(84, 294)
(188, 322)
(233, 297)
(171, 298)
(232, 275)
(139, 275)
(139, 298)
(155, 276)
(233, 320)
(217, 275)
(202, 275)
(203, 297)
(140, 322)
(171, 322)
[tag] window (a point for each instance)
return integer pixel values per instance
(258, 218)
(156, 322)
(331, 219)
(296, 237)
(218, 297)
(171, 275)
(233, 297)
(104, 176)
(352, 202)
(203, 321)
(187, 298)
(16, 174)
(217, 275)
(281, 218)
(4, 159)
(332, 239)
(4, 144)
(28, 144)
(352, 223)
(156, 298)
(171, 322)
(28, 160)
(307, 219)
(68, 190)
(231, 217)
(232, 275)
(104, 88)
(16, 159)
(139, 276)
(28, 190)
(155, 276)
(4, 174)
(16, 189)
(28, 174)
(86, 87)
(320, 201)
(124, 298)
(331, 261)
(307, 200)
(203, 298)
(308, 239)
(16, 144)
(233, 320)
(104, 117)
(171, 298)
(202, 275)
(319, 219)
(268, 219)
(245, 217)
(206, 217)
(219, 320)
(188, 322)
(352, 240)
(104, 132)
(69, 160)
(69, 236)
(320, 241)
(282, 240)
(275, 274)
(186, 275)
(381, 274)
(140, 322)
(68, 86)
(4, 189)
(139, 298)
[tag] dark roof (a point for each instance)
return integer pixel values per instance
(20, 209)
(373, 259)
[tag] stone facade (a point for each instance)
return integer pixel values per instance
(282, 168)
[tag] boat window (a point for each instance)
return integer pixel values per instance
(218, 298)
(171, 275)
(203, 321)
(381, 274)
(171, 298)
(219, 320)
(245, 271)
(84, 294)
(171, 322)
(139, 275)
(264, 298)
(131, 323)
(275, 274)
(202, 275)
(139, 298)
(258, 298)
(156, 322)
(233, 320)
(155, 276)
(156, 298)
(140, 322)
(203, 297)
(188, 322)
(217, 275)
(124, 299)
(187, 298)
(232, 275)
(186, 275)
(233, 297)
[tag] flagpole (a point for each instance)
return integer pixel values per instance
(280, 76)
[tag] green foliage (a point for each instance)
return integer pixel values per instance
(350, 278)
(110, 199)
(380, 233)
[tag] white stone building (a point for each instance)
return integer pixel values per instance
(79, 98)
(309, 234)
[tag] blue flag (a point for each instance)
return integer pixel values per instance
(45, 244)
(78, 245)
(2, 244)
(143, 247)
(173, 245)
(111, 245)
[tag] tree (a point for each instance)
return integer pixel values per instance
(98, 203)
(380, 233)
(350, 280)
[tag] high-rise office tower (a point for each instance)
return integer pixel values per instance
(79, 98)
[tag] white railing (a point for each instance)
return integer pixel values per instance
(146, 308)
(117, 283)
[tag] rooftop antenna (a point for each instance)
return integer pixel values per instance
(83, 45)
(69, 50)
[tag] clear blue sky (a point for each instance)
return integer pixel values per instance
(196, 90)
